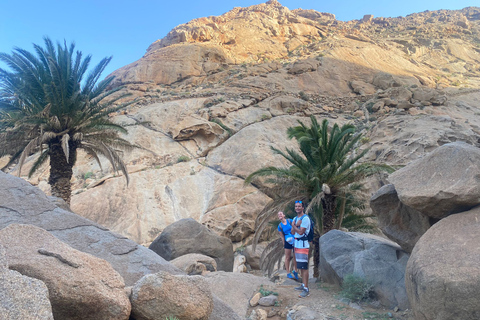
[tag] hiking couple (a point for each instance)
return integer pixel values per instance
(294, 236)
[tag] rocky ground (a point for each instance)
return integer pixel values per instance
(324, 303)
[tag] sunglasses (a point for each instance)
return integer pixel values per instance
(298, 201)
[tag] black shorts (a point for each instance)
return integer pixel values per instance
(287, 245)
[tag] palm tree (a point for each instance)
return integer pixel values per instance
(48, 108)
(320, 174)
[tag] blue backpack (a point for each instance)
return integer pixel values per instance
(309, 235)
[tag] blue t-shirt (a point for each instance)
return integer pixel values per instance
(286, 229)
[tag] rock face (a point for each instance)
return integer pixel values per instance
(443, 271)
(443, 182)
(80, 286)
(399, 222)
(378, 260)
(161, 295)
(216, 93)
(22, 297)
(189, 236)
(22, 203)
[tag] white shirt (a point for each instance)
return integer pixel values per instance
(305, 224)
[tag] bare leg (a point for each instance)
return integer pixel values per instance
(304, 273)
(288, 258)
(294, 261)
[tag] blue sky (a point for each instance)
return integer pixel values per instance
(124, 29)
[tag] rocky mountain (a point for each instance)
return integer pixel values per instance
(216, 93)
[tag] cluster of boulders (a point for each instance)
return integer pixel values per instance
(56, 264)
(431, 210)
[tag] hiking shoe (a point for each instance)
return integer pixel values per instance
(289, 276)
(301, 288)
(304, 293)
(295, 274)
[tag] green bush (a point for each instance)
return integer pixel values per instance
(356, 288)
(87, 175)
(183, 159)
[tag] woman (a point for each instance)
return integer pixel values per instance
(285, 228)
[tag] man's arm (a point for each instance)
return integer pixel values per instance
(300, 230)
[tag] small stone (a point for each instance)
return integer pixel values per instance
(255, 299)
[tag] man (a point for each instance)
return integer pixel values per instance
(301, 227)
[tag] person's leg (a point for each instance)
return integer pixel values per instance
(304, 273)
(288, 258)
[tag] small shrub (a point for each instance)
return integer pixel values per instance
(265, 292)
(87, 175)
(356, 288)
(183, 159)
(265, 117)
(303, 96)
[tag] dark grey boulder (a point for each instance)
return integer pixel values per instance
(188, 236)
(399, 222)
(378, 260)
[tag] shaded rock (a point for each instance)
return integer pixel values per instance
(188, 236)
(253, 257)
(302, 66)
(22, 203)
(160, 295)
(362, 87)
(245, 284)
(443, 271)
(385, 80)
(397, 93)
(22, 297)
(429, 95)
(400, 223)
(268, 301)
(222, 311)
(195, 264)
(378, 260)
(80, 285)
(443, 182)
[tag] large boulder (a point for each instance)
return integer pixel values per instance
(378, 260)
(443, 273)
(22, 203)
(443, 182)
(80, 286)
(161, 295)
(22, 297)
(400, 223)
(188, 236)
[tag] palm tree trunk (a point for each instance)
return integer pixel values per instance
(316, 256)
(338, 225)
(61, 170)
(329, 205)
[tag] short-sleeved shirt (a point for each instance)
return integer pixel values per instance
(305, 224)
(286, 229)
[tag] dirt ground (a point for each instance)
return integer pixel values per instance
(323, 304)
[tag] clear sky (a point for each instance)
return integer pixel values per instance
(125, 28)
